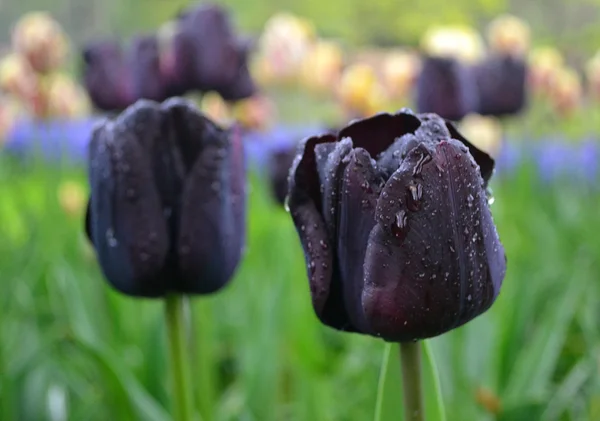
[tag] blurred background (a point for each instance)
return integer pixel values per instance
(520, 78)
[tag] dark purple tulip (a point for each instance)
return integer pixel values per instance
(167, 206)
(446, 87)
(218, 57)
(396, 228)
(106, 76)
(501, 82)
(144, 62)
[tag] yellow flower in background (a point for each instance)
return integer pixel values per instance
(592, 74)
(254, 113)
(215, 107)
(459, 42)
(72, 198)
(544, 64)
(360, 92)
(566, 91)
(282, 47)
(483, 132)
(41, 40)
(17, 77)
(509, 35)
(66, 99)
(322, 67)
(400, 70)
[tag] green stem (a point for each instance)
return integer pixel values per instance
(183, 408)
(381, 385)
(410, 359)
(435, 379)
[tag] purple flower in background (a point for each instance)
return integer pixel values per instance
(168, 197)
(144, 62)
(446, 87)
(501, 83)
(218, 58)
(106, 75)
(394, 220)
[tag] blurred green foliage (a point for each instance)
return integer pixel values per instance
(572, 26)
(68, 341)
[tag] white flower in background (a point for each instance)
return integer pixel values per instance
(509, 35)
(457, 42)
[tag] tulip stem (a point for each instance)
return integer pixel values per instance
(410, 359)
(182, 404)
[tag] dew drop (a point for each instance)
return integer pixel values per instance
(110, 238)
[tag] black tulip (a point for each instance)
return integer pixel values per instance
(446, 87)
(501, 82)
(218, 57)
(167, 206)
(144, 62)
(106, 76)
(394, 220)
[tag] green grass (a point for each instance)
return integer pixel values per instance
(259, 352)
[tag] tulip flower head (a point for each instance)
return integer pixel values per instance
(360, 92)
(106, 76)
(41, 40)
(167, 206)
(283, 46)
(544, 63)
(460, 43)
(322, 66)
(567, 92)
(509, 35)
(400, 72)
(446, 84)
(18, 78)
(395, 224)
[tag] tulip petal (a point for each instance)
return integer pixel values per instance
(390, 159)
(377, 133)
(209, 245)
(304, 202)
(357, 202)
(331, 172)
(485, 161)
(434, 261)
(144, 63)
(125, 214)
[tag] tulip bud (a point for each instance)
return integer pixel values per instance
(360, 91)
(41, 40)
(167, 206)
(395, 224)
(218, 59)
(567, 92)
(283, 46)
(543, 65)
(322, 66)
(400, 72)
(106, 76)
(17, 78)
(446, 85)
(501, 85)
(144, 62)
